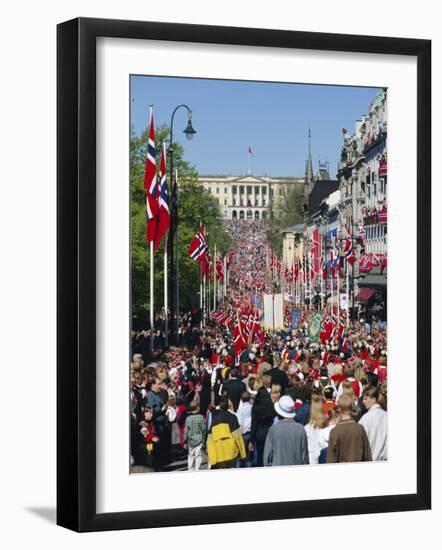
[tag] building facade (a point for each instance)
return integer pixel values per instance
(248, 197)
(363, 177)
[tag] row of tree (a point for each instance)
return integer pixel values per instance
(194, 205)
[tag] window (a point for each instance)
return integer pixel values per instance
(256, 190)
(256, 215)
(241, 189)
(234, 189)
(225, 202)
(249, 190)
(241, 214)
(233, 201)
(234, 215)
(264, 190)
(263, 202)
(264, 215)
(217, 190)
(241, 202)
(225, 189)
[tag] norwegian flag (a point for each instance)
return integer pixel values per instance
(340, 326)
(348, 248)
(365, 264)
(238, 338)
(327, 328)
(219, 269)
(382, 215)
(228, 322)
(374, 259)
(382, 262)
(151, 185)
(198, 247)
(244, 324)
(383, 166)
(164, 215)
(287, 273)
(361, 234)
(345, 345)
(315, 250)
(218, 315)
(333, 262)
(207, 264)
(303, 317)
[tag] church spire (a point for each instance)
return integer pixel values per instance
(309, 164)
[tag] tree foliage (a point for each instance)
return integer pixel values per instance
(194, 204)
(287, 214)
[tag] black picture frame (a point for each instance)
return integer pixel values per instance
(76, 273)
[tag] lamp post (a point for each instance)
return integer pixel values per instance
(174, 289)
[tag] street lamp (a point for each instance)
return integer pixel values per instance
(174, 289)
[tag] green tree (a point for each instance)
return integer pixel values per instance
(285, 215)
(194, 204)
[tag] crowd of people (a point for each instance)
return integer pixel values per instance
(282, 399)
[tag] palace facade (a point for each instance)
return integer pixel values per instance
(249, 197)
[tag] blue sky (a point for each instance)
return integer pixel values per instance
(272, 118)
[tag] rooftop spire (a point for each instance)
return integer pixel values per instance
(309, 163)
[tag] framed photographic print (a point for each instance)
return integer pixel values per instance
(243, 274)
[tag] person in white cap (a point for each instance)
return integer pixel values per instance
(286, 442)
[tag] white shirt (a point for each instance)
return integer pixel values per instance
(313, 443)
(244, 414)
(374, 422)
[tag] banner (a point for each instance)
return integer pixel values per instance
(315, 326)
(296, 316)
(343, 301)
(273, 312)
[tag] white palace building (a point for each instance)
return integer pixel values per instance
(248, 197)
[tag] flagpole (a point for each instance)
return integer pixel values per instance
(209, 292)
(201, 295)
(204, 299)
(338, 281)
(225, 277)
(348, 293)
(166, 279)
(214, 280)
(304, 278)
(332, 269)
(166, 305)
(151, 298)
